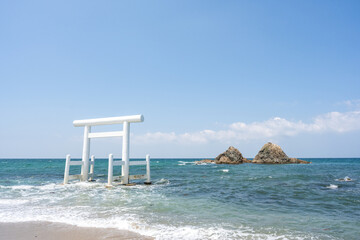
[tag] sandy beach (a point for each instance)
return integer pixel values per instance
(59, 231)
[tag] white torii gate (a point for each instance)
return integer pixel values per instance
(125, 163)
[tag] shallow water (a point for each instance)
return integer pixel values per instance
(188, 201)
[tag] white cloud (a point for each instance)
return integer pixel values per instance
(355, 103)
(337, 122)
(275, 127)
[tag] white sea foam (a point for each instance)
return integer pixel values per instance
(345, 179)
(21, 187)
(12, 201)
(225, 170)
(182, 163)
(332, 186)
(158, 231)
(211, 163)
(163, 181)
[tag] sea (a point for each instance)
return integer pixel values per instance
(188, 201)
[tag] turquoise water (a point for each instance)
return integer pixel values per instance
(188, 201)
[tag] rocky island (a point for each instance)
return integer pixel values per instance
(271, 153)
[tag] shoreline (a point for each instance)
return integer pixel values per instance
(41, 230)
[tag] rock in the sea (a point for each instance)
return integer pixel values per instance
(205, 161)
(230, 156)
(245, 160)
(296, 160)
(271, 153)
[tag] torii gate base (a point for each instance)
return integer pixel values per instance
(124, 163)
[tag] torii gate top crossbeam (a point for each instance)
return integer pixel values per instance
(108, 121)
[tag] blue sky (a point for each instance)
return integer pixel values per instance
(205, 74)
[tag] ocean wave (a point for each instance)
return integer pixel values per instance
(161, 232)
(20, 187)
(332, 186)
(182, 163)
(166, 232)
(71, 208)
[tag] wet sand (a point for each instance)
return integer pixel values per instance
(59, 231)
